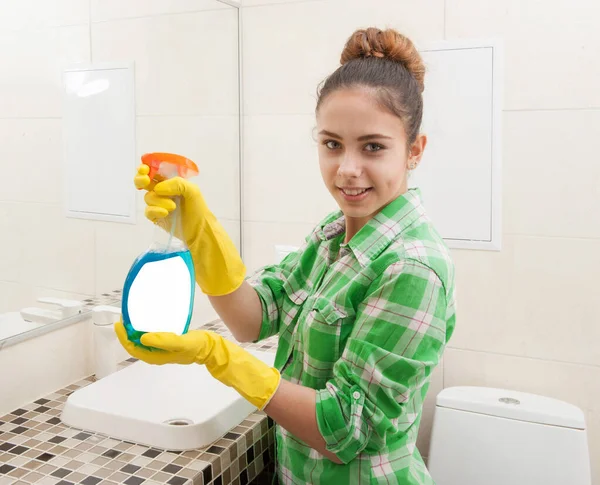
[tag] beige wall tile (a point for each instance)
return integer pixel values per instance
(36, 14)
(534, 298)
(14, 296)
(551, 176)
(259, 3)
(545, 45)
(59, 250)
(31, 79)
(32, 153)
(178, 68)
(103, 10)
(11, 243)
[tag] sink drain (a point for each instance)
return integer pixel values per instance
(179, 422)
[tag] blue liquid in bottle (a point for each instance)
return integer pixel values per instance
(152, 256)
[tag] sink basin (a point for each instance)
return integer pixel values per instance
(173, 407)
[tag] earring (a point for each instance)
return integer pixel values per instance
(412, 166)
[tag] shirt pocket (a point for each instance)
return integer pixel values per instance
(326, 331)
(293, 302)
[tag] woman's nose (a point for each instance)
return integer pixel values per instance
(349, 166)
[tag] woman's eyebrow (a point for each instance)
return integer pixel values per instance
(329, 133)
(373, 136)
(360, 138)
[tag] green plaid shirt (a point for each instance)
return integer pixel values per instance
(364, 324)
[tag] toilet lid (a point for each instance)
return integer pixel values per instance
(512, 405)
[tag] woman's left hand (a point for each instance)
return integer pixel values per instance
(234, 366)
(168, 348)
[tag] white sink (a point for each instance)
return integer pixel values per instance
(173, 407)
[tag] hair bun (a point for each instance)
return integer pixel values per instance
(388, 44)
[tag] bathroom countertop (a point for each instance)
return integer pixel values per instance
(37, 448)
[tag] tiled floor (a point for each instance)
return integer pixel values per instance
(36, 448)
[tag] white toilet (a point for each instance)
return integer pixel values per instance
(484, 436)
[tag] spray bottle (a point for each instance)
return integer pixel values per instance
(158, 294)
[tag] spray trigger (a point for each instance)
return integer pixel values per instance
(164, 166)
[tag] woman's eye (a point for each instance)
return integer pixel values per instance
(373, 147)
(332, 144)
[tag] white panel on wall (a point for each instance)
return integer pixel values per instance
(99, 142)
(460, 172)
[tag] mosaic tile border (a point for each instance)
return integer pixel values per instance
(37, 448)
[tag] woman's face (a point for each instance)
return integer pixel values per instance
(363, 153)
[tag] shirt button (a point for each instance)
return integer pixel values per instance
(356, 395)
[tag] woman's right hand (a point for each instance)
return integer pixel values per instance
(219, 268)
(160, 202)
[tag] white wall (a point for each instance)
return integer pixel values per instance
(186, 66)
(526, 317)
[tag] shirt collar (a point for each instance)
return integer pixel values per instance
(377, 234)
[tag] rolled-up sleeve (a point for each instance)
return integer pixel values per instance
(268, 283)
(381, 379)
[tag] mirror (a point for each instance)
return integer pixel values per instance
(185, 94)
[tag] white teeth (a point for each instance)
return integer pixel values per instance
(353, 191)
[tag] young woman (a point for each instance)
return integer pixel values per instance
(363, 310)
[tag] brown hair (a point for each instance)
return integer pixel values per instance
(389, 63)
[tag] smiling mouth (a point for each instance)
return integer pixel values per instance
(355, 194)
(353, 190)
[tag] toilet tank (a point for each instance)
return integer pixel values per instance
(484, 436)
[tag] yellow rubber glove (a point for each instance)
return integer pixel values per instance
(218, 265)
(226, 361)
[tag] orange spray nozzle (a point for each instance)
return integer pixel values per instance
(168, 165)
